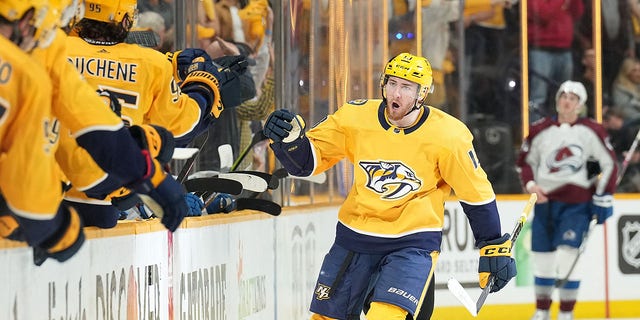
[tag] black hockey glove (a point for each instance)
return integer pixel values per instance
(496, 260)
(161, 193)
(282, 125)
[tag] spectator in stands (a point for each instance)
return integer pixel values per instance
(626, 89)
(153, 21)
(550, 35)
(436, 18)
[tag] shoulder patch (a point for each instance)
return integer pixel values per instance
(358, 102)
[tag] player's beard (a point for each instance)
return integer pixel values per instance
(398, 112)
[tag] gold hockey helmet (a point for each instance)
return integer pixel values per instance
(412, 68)
(110, 10)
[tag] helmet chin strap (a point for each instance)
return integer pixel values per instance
(415, 107)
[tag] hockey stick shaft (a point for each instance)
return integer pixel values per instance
(198, 143)
(257, 137)
(514, 236)
(627, 158)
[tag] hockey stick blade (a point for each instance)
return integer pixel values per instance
(271, 182)
(198, 143)
(458, 291)
(214, 184)
(514, 236)
(184, 153)
(266, 206)
(250, 180)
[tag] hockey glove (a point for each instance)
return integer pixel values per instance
(194, 203)
(64, 243)
(602, 207)
(495, 260)
(161, 193)
(183, 59)
(158, 140)
(282, 125)
(223, 202)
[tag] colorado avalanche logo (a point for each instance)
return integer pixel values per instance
(566, 160)
(392, 180)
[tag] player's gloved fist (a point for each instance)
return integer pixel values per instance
(223, 202)
(158, 140)
(161, 193)
(203, 78)
(65, 242)
(182, 60)
(602, 207)
(495, 260)
(194, 203)
(282, 125)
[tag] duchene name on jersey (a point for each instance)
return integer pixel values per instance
(105, 68)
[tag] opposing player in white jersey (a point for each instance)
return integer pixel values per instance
(408, 157)
(553, 164)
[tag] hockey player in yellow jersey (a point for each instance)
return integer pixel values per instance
(79, 115)
(142, 80)
(89, 129)
(30, 186)
(407, 159)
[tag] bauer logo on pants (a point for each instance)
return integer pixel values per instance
(629, 244)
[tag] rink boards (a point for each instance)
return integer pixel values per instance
(253, 266)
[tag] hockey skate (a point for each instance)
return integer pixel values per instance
(541, 315)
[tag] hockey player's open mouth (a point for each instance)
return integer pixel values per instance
(395, 105)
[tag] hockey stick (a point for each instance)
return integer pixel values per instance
(257, 137)
(514, 236)
(560, 283)
(184, 153)
(214, 184)
(458, 291)
(266, 206)
(627, 158)
(198, 143)
(250, 180)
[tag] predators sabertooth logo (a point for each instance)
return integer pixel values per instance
(392, 180)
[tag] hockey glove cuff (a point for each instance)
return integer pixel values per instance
(602, 207)
(206, 84)
(183, 59)
(495, 260)
(158, 140)
(64, 243)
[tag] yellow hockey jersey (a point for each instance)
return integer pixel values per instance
(401, 176)
(28, 182)
(143, 80)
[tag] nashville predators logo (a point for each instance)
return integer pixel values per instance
(392, 180)
(322, 292)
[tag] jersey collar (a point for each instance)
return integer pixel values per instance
(386, 125)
